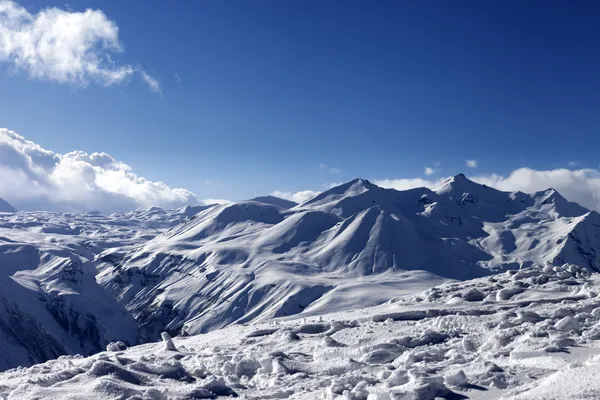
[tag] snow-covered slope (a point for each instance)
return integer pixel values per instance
(275, 201)
(50, 302)
(252, 261)
(73, 282)
(528, 334)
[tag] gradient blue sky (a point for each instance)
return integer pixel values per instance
(269, 90)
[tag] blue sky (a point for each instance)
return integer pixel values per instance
(256, 96)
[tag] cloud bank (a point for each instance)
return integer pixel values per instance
(33, 178)
(64, 46)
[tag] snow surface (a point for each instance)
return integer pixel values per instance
(348, 247)
(294, 300)
(275, 201)
(50, 302)
(529, 334)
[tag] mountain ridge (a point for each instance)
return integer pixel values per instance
(355, 230)
(197, 269)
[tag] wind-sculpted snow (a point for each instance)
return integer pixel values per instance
(527, 334)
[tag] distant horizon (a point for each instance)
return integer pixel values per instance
(97, 182)
(233, 101)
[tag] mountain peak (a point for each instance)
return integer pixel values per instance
(5, 207)
(458, 183)
(360, 185)
(348, 189)
(562, 206)
(361, 181)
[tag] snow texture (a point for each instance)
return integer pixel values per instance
(460, 291)
(543, 343)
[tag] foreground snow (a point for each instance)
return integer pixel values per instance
(530, 334)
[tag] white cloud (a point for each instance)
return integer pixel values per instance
(329, 169)
(428, 171)
(573, 163)
(471, 163)
(298, 197)
(64, 46)
(33, 178)
(581, 186)
(208, 202)
(152, 82)
(405, 183)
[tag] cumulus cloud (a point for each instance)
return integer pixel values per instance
(405, 183)
(581, 186)
(33, 178)
(428, 171)
(64, 46)
(208, 202)
(471, 163)
(298, 197)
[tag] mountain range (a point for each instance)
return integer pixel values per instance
(74, 282)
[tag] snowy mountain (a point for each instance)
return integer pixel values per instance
(74, 282)
(250, 261)
(275, 201)
(50, 302)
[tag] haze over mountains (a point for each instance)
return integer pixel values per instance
(74, 282)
